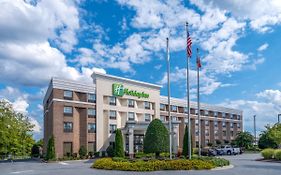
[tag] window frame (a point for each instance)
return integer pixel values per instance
(91, 115)
(112, 117)
(147, 106)
(111, 102)
(110, 128)
(145, 117)
(65, 96)
(67, 130)
(91, 130)
(130, 119)
(68, 113)
(91, 100)
(133, 103)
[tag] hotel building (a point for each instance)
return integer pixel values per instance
(79, 114)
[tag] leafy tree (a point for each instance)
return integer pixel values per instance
(40, 143)
(218, 142)
(82, 151)
(119, 149)
(244, 139)
(265, 141)
(185, 142)
(35, 151)
(156, 139)
(51, 153)
(275, 133)
(15, 131)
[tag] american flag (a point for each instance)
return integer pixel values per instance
(198, 61)
(188, 45)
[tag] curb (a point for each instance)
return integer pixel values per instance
(223, 168)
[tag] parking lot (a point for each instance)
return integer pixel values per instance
(244, 164)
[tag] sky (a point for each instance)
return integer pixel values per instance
(238, 44)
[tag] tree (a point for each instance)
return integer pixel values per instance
(275, 134)
(119, 149)
(156, 139)
(82, 151)
(266, 141)
(244, 139)
(185, 142)
(15, 131)
(35, 150)
(51, 153)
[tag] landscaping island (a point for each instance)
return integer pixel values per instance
(144, 164)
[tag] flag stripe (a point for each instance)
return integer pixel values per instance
(188, 45)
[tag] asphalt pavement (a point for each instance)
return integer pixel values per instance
(242, 165)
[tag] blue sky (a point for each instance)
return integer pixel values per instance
(238, 42)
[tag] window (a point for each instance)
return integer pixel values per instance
(68, 95)
(238, 125)
(174, 108)
(231, 116)
(162, 118)
(91, 147)
(67, 149)
(231, 133)
(67, 126)
(147, 117)
(223, 124)
(185, 110)
(231, 125)
(131, 116)
(206, 122)
(112, 128)
(216, 132)
(238, 117)
(215, 114)
(206, 112)
(91, 127)
(224, 133)
(112, 115)
(206, 132)
(91, 112)
(68, 110)
(146, 105)
(216, 123)
(207, 141)
(92, 98)
(223, 115)
(196, 111)
(131, 103)
(186, 120)
(197, 133)
(196, 122)
(112, 101)
(174, 118)
(162, 107)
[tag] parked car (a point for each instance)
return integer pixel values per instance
(228, 150)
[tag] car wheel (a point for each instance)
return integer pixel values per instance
(228, 153)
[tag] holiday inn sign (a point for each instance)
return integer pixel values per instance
(119, 90)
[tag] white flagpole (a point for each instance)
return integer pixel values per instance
(169, 94)
(188, 103)
(198, 105)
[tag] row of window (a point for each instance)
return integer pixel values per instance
(216, 133)
(68, 111)
(131, 116)
(174, 118)
(68, 127)
(195, 111)
(131, 103)
(67, 148)
(69, 96)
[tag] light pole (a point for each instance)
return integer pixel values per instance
(255, 133)
(278, 118)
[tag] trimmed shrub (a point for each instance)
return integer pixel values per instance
(267, 153)
(277, 154)
(152, 165)
(156, 139)
(119, 149)
(51, 153)
(82, 151)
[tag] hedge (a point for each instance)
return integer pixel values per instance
(277, 154)
(267, 153)
(155, 165)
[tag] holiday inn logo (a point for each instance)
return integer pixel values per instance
(119, 91)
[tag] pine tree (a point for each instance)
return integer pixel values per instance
(119, 149)
(185, 142)
(51, 153)
(156, 139)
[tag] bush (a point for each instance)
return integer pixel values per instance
(151, 165)
(217, 162)
(267, 153)
(277, 154)
(51, 155)
(266, 141)
(97, 154)
(156, 139)
(82, 152)
(90, 154)
(119, 149)
(35, 151)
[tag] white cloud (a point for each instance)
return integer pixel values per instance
(271, 95)
(157, 67)
(20, 105)
(263, 47)
(37, 128)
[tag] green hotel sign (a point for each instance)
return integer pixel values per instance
(119, 90)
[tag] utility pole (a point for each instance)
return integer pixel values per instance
(255, 132)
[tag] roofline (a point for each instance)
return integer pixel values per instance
(101, 75)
